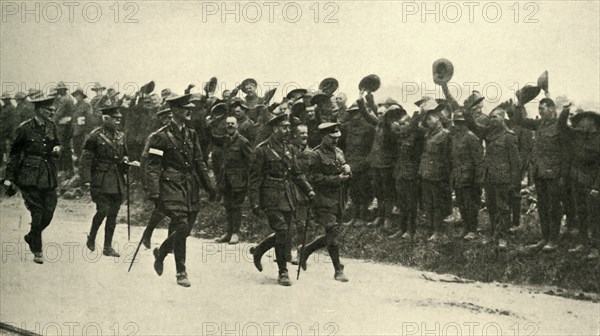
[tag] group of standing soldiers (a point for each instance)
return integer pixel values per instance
(302, 159)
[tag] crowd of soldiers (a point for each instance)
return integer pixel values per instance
(305, 159)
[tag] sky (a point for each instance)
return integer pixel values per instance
(495, 46)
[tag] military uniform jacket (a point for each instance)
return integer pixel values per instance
(82, 118)
(436, 160)
(585, 165)
(303, 161)
(31, 163)
(102, 161)
(501, 163)
(274, 167)
(357, 140)
(547, 154)
(237, 154)
(409, 147)
(174, 168)
(467, 157)
(63, 116)
(324, 168)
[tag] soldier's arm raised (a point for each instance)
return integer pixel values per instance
(479, 130)
(369, 117)
(532, 124)
(562, 126)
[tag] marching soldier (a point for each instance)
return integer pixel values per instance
(174, 169)
(327, 171)
(233, 181)
(164, 118)
(31, 167)
(585, 174)
(274, 167)
(501, 169)
(103, 165)
(82, 121)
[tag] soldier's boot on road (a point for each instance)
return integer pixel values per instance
(158, 262)
(235, 238)
(318, 243)
(339, 275)
(182, 279)
(550, 247)
(226, 238)
(284, 279)
(375, 223)
(38, 258)
(91, 243)
(146, 241)
(538, 245)
(29, 241)
(260, 249)
(110, 252)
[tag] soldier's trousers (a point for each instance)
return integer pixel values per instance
(156, 217)
(179, 229)
(515, 205)
(433, 203)
(549, 207)
(383, 183)
(498, 204)
(78, 141)
(361, 193)
(569, 209)
(468, 204)
(233, 206)
(107, 206)
(407, 192)
(332, 238)
(297, 230)
(280, 222)
(588, 213)
(41, 205)
(447, 199)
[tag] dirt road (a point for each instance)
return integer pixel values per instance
(77, 292)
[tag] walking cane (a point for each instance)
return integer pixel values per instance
(303, 240)
(136, 252)
(128, 210)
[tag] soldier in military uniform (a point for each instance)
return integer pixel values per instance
(300, 145)
(62, 119)
(82, 121)
(31, 167)
(356, 141)
(501, 169)
(546, 165)
(585, 175)
(103, 165)
(327, 171)
(467, 156)
(94, 102)
(7, 124)
(164, 118)
(273, 168)
(233, 181)
(435, 166)
(406, 173)
(246, 126)
(173, 171)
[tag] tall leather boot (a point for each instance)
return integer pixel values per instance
(260, 249)
(318, 243)
(334, 253)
